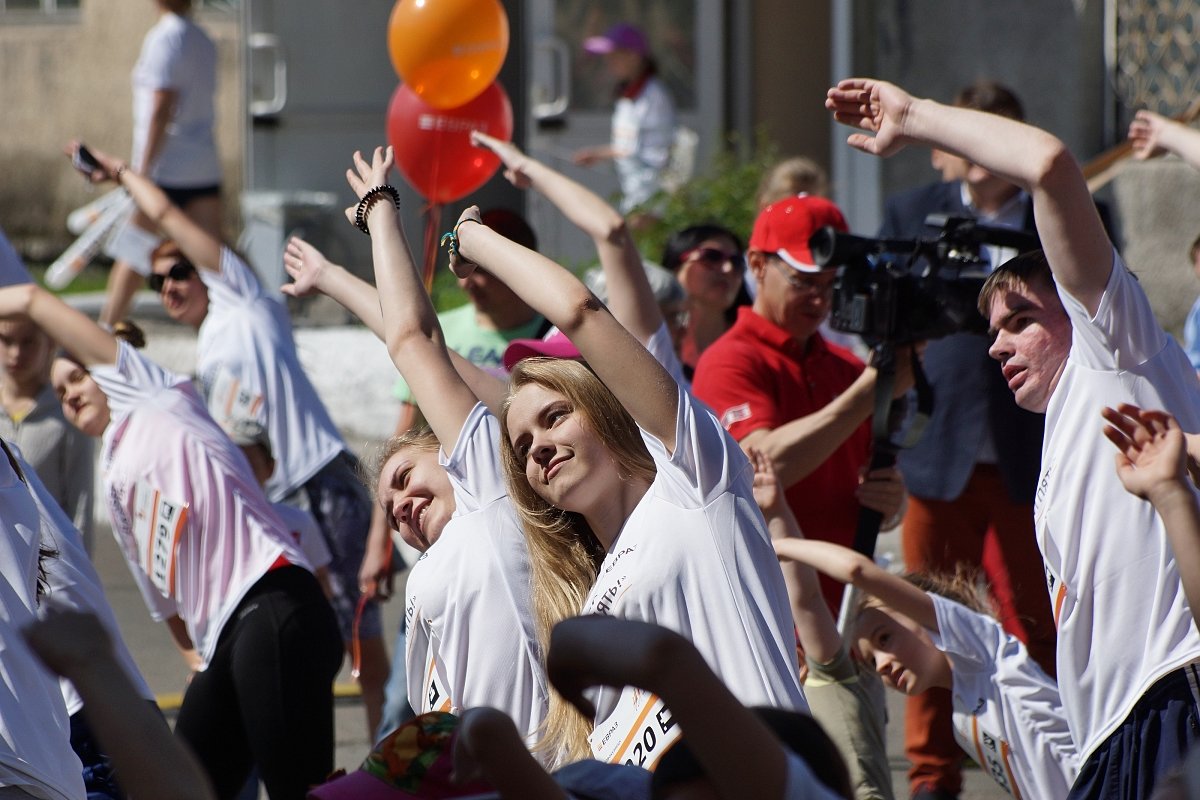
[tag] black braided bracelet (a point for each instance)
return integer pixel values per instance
(368, 200)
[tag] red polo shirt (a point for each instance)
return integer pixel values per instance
(757, 376)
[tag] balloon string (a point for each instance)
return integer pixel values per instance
(433, 224)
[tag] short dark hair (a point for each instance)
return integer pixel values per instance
(992, 97)
(679, 242)
(1195, 248)
(1017, 273)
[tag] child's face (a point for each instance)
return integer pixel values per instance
(904, 655)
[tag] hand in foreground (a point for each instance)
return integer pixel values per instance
(376, 574)
(69, 641)
(767, 491)
(514, 160)
(1145, 134)
(305, 264)
(877, 107)
(364, 177)
(1151, 453)
(582, 655)
(882, 490)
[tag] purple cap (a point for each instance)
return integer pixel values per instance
(621, 36)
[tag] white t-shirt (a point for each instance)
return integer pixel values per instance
(305, 531)
(35, 747)
(1007, 712)
(643, 130)
(247, 365)
(1123, 621)
(73, 584)
(472, 640)
(178, 56)
(695, 557)
(185, 507)
(663, 349)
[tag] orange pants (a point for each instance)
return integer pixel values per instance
(982, 528)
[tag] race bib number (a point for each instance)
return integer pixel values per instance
(638, 731)
(993, 755)
(436, 695)
(157, 526)
(229, 400)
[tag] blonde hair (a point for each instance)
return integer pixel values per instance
(790, 177)
(564, 554)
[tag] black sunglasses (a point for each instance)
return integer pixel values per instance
(180, 271)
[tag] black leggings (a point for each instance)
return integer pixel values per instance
(266, 697)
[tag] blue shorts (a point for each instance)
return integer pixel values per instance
(338, 499)
(1153, 739)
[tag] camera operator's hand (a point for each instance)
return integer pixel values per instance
(902, 359)
(883, 490)
(874, 106)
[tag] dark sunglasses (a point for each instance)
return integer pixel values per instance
(181, 270)
(711, 256)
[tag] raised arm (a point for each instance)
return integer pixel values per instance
(630, 297)
(1153, 135)
(639, 382)
(150, 761)
(411, 330)
(739, 753)
(72, 329)
(847, 566)
(815, 625)
(1077, 248)
(1151, 462)
(201, 248)
(313, 273)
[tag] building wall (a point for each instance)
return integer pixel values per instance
(70, 77)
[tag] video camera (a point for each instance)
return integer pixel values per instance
(897, 291)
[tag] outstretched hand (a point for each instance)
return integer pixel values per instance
(1151, 452)
(877, 107)
(459, 264)
(1145, 134)
(767, 491)
(108, 164)
(515, 162)
(305, 264)
(363, 176)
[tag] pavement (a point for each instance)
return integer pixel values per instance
(353, 375)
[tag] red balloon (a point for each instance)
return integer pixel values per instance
(433, 145)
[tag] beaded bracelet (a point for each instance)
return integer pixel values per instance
(449, 239)
(368, 200)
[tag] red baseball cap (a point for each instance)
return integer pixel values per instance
(785, 227)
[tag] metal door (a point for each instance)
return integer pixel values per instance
(570, 96)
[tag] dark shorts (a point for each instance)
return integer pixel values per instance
(341, 504)
(1162, 727)
(182, 197)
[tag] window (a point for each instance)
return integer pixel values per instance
(39, 6)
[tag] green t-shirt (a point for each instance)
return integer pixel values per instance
(484, 348)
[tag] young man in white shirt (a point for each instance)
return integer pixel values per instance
(1074, 332)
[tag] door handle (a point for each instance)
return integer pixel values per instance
(269, 45)
(555, 98)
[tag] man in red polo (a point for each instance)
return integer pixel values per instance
(778, 386)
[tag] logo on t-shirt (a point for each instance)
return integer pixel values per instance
(734, 415)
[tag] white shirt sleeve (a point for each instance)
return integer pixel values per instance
(132, 379)
(966, 635)
(1123, 334)
(663, 349)
(707, 461)
(474, 464)
(234, 283)
(161, 60)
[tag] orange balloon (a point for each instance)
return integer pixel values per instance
(448, 51)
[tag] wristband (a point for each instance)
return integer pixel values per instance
(368, 200)
(449, 239)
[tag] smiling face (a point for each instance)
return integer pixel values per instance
(1032, 341)
(564, 461)
(416, 496)
(83, 403)
(711, 273)
(185, 300)
(24, 351)
(904, 655)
